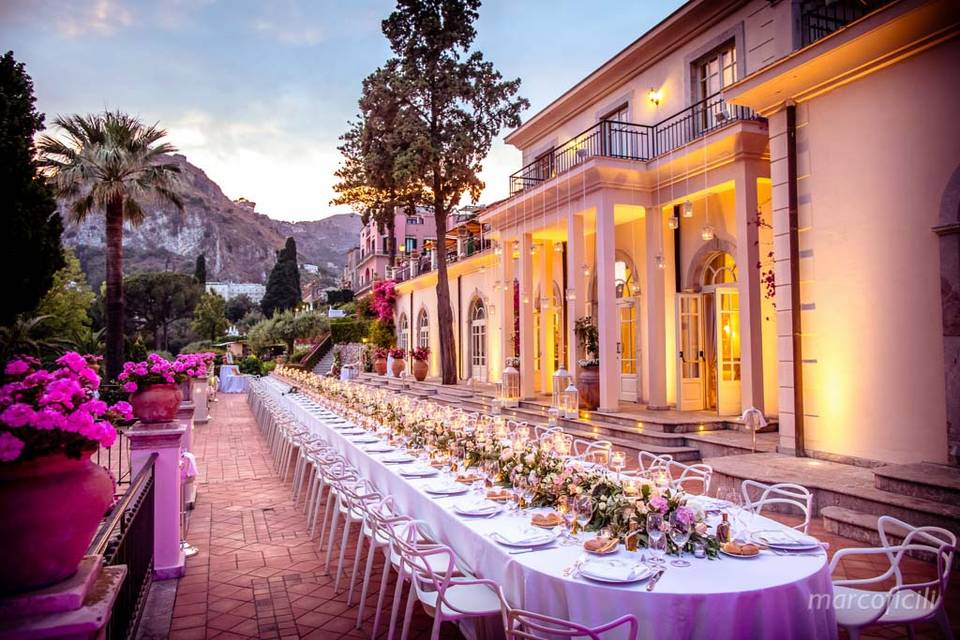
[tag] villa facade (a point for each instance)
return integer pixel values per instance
(372, 261)
(757, 203)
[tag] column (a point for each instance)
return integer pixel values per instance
(546, 317)
(576, 286)
(506, 303)
(748, 282)
(164, 439)
(526, 317)
(606, 248)
(656, 312)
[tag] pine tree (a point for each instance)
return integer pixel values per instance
(32, 226)
(283, 285)
(200, 270)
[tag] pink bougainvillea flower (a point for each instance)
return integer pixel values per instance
(73, 360)
(129, 387)
(48, 418)
(17, 367)
(96, 407)
(17, 415)
(123, 409)
(10, 447)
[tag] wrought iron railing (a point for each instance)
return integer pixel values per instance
(820, 18)
(126, 537)
(116, 458)
(629, 141)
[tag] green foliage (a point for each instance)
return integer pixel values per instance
(155, 300)
(380, 334)
(67, 302)
(200, 270)
(251, 318)
(339, 297)
(364, 307)
(299, 353)
(32, 226)
(111, 163)
(283, 285)
(251, 365)
(348, 330)
(28, 336)
(588, 337)
(349, 308)
(285, 328)
(209, 316)
(239, 306)
(136, 350)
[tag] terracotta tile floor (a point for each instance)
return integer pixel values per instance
(259, 576)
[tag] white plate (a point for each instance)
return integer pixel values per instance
(380, 448)
(445, 489)
(365, 440)
(546, 537)
(418, 472)
(397, 460)
(640, 572)
(483, 509)
(786, 541)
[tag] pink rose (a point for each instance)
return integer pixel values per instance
(17, 415)
(10, 447)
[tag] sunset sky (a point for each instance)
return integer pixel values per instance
(256, 93)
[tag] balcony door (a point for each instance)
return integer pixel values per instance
(617, 134)
(690, 365)
(711, 73)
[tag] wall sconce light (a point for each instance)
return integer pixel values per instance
(558, 246)
(687, 209)
(526, 299)
(655, 96)
(533, 249)
(673, 222)
(661, 263)
(516, 245)
(497, 249)
(586, 271)
(707, 233)
(571, 295)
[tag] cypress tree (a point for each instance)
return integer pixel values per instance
(283, 285)
(200, 270)
(32, 226)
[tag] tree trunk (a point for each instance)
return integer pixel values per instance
(114, 268)
(448, 348)
(392, 237)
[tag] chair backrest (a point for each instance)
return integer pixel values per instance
(692, 478)
(757, 496)
(597, 451)
(542, 433)
(653, 462)
(926, 540)
(527, 625)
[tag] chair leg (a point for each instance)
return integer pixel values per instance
(437, 623)
(944, 623)
(356, 565)
(395, 609)
(347, 523)
(366, 582)
(383, 590)
(408, 612)
(331, 535)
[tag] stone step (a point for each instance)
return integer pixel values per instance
(857, 525)
(937, 482)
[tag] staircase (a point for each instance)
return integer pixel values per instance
(323, 365)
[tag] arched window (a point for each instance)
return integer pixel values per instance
(720, 269)
(423, 329)
(403, 332)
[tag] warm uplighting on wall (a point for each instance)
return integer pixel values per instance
(673, 222)
(655, 96)
(687, 209)
(526, 299)
(707, 233)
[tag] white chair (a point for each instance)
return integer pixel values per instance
(651, 462)
(445, 596)
(595, 451)
(781, 494)
(906, 603)
(527, 625)
(684, 475)
(355, 500)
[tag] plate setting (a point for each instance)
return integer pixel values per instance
(614, 570)
(524, 537)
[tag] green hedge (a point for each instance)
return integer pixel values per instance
(348, 330)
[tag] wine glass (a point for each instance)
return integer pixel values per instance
(583, 510)
(618, 460)
(655, 535)
(680, 534)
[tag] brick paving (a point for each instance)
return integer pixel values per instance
(258, 575)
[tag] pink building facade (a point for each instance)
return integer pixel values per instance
(372, 262)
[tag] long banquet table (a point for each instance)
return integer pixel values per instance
(769, 596)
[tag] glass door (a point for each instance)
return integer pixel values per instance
(627, 351)
(728, 351)
(478, 343)
(690, 369)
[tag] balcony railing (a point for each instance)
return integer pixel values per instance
(629, 141)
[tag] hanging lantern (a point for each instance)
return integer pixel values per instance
(571, 295)
(687, 209)
(558, 246)
(510, 388)
(673, 222)
(498, 249)
(661, 263)
(533, 249)
(570, 402)
(516, 245)
(707, 233)
(586, 271)
(561, 380)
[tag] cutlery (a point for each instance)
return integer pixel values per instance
(656, 577)
(574, 570)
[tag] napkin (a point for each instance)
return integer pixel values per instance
(524, 535)
(477, 505)
(443, 486)
(785, 538)
(616, 570)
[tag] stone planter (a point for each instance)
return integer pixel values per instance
(50, 508)
(380, 366)
(156, 402)
(398, 366)
(420, 369)
(588, 386)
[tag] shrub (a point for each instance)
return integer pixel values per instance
(251, 365)
(344, 331)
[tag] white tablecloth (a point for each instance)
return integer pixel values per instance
(765, 597)
(232, 381)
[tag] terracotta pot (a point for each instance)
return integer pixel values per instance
(588, 386)
(156, 402)
(420, 369)
(380, 366)
(50, 508)
(398, 366)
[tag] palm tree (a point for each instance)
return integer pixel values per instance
(111, 162)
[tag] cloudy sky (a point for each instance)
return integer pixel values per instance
(256, 93)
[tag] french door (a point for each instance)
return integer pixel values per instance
(728, 350)
(478, 344)
(690, 361)
(627, 352)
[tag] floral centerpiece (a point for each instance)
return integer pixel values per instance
(52, 497)
(420, 366)
(152, 385)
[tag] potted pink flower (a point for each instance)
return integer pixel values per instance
(399, 364)
(194, 366)
(153, 387)
(380, 360)
(52, 496)
(420, 367)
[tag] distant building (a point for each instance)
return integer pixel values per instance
(349, 279)
(243, 202)
(412, 233)
(228, 290)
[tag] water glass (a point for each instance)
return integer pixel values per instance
(583, 510)
(679, 534)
